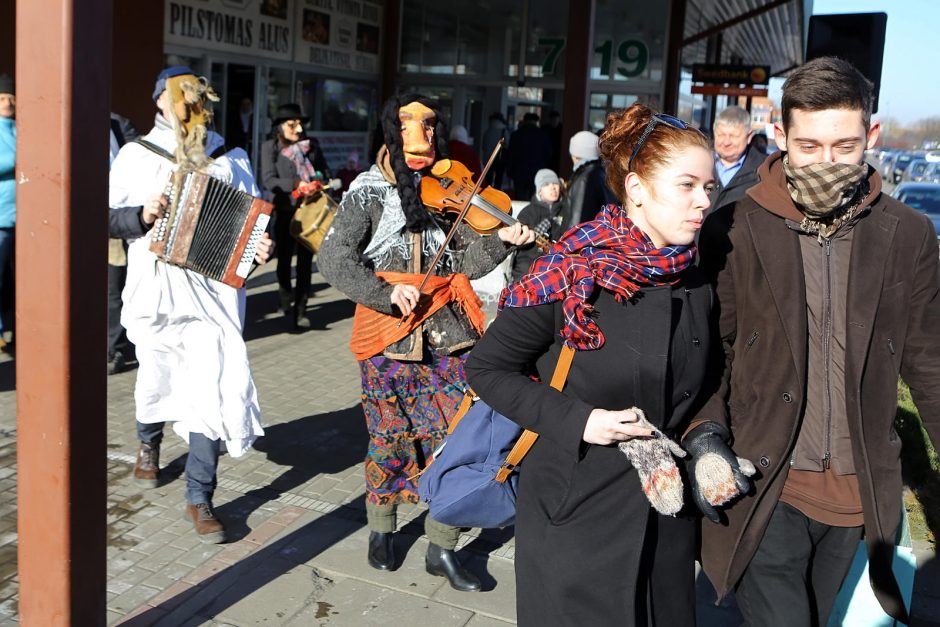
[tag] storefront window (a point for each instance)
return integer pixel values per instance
(629, 40)
(346, 106)
(278, 93)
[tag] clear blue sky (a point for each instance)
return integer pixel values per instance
(910, 78)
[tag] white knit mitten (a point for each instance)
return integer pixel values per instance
(652, 458)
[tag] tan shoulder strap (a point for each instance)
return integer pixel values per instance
(528, 438)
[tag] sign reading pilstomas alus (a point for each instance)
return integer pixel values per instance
(339, 34)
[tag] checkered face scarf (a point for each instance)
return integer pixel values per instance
(297, 153)
(826, 193)
(610, 252)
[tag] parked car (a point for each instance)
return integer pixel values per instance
(887, 165)
(925, 197)
(932, 173)
(900, 164)
(915, 170)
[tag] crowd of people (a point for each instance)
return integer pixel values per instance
(738, 319)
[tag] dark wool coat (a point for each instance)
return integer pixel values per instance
(743, 180)
(583, 523)
(893, 327)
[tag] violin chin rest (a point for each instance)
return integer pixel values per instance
(441, 167)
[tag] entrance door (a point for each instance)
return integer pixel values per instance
(238, 102)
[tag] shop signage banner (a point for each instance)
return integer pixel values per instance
(252, 27)
(730, 74)
(729, 90)
(339, 34)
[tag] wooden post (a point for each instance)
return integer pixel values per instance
(63, 72)
(579, 51)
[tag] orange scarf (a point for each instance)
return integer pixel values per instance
(374, 331)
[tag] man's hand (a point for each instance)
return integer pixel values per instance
(608, 427)
(405, 297)
(153, 209)
(264, 249)
(518, 234)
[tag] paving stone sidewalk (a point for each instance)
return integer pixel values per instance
(293, 507)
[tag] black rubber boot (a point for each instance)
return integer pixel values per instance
(381, 551)
(444, 563)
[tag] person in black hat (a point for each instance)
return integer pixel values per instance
(289, 159)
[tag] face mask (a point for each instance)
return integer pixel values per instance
(824, 189)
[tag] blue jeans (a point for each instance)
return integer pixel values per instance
(201, 463)
(7, 239)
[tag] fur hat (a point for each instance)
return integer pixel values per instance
(7, 86)
(583, 145)
(170, 72)
(545, 177)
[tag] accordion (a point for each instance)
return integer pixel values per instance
(210, 228)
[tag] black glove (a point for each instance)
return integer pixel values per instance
(717, 474)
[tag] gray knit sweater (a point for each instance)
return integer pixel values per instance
(367, 235)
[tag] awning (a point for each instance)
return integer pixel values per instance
(767, 32)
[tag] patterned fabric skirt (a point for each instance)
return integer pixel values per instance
(408, 406)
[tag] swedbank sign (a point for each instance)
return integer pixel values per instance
(255, 27)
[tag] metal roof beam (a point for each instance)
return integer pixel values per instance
(734, 21)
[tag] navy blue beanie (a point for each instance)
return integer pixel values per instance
(170, 72)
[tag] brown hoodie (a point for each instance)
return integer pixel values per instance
(821, 482)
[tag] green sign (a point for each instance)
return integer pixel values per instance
(632, 56)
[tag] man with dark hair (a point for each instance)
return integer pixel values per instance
(828, 291)
(735, 162)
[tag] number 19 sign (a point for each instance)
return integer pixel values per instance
(632, 56)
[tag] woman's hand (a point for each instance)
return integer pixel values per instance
(609, 427)
(405, 297)
(518, 234)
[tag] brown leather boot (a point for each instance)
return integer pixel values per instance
(147, 468)
(209, 528)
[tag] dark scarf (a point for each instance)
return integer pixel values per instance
(609, 251)
(297, 153)
(827, 194)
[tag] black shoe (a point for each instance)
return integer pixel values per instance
(444, 563)
(117, 364)
(381, 551)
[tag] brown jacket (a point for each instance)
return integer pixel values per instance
(893, 327)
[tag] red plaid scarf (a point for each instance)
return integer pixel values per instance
(609, 251)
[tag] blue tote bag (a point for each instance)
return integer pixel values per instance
(471, 481)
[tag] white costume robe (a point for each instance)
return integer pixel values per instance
(187, 328)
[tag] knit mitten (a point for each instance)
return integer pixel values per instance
(652, 458)
(718, 475)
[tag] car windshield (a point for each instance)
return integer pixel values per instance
(926, 200)
(904, 158)
(918, 168)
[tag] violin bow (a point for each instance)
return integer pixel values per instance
(453, 228)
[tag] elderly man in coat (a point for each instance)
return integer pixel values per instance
(828, 291)
(736, 162)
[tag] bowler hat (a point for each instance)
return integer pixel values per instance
(289, 111)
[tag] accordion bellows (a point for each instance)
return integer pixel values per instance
(211, 228)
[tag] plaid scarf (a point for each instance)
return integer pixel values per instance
(609, 251)
(826, 193)
(297, 153)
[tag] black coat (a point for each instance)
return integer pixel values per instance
(532, 215)
(743, 179)
(588, 193)
(279, 174)
(583, 522)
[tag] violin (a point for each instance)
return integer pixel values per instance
(446, 190)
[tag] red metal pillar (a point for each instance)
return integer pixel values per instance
(63, 72)
(579, 51)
